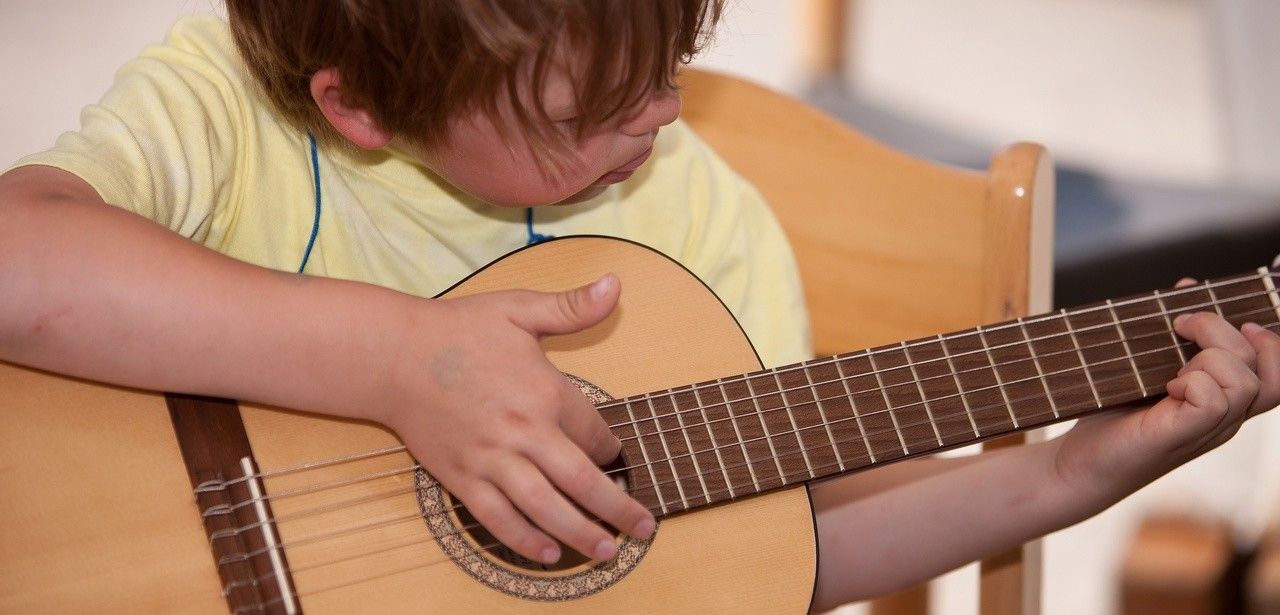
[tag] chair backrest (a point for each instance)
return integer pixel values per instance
(891, 247)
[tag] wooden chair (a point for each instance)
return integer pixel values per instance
(892, 247)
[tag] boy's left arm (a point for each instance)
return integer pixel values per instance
(905, 533)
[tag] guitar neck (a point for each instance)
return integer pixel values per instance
(737, 436)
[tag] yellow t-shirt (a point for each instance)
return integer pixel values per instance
(183, 138)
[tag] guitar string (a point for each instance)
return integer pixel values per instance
(983, 330)
(782, 482)
(480, 548)
(834, 446)
(992, 365)
(797, 433)
(1157, 295)
(728, 403)
(771, 393)
(217, 485)
(227, 509)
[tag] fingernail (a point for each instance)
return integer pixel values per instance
(1251, 327)
(643, 529)
(605, 549)
(600, 288)
(550, 555)
(1181, 319)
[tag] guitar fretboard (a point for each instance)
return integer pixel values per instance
(741, 435)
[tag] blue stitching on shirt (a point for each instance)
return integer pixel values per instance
(533, 237)
(315, 225)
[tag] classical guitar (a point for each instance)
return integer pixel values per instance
(121, 501)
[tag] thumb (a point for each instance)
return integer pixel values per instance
(570, 310)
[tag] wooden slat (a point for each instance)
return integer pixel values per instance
(891, 247)
(1018, 216)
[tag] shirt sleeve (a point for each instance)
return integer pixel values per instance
(162, 142)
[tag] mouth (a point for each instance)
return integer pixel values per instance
(623, 172)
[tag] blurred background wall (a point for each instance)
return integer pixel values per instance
(1161, 114)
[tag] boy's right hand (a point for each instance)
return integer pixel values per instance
(488, 416)
(105, 295)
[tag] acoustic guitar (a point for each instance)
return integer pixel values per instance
(114, 500)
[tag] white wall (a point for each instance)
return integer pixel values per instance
(1125, 87)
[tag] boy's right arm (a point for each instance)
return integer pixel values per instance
(97, 292)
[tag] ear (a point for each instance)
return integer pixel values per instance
(353, 123)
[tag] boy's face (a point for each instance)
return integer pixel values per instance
(506, 172)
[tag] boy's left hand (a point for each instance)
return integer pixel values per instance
(1235, 376)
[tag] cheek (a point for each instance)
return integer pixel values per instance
(506, 181)
(489, 170)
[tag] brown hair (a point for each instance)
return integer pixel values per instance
(416, 64)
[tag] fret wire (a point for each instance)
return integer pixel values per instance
(733, 420)
(1054, 315)
(828, 466)
(1268, 326)
(1105, 380)
(657, 427)
(706, 422)
(1175, 346)
(1261, 275)
(205, 488)
(697, 467)
(1084, 365)
(1069, 332)
(1164, 311)
(888, 406)
(853, 407)
(644, 452)
(1213, 298)
(1115, 318)
(661, 502)
(961, 394)
(344, 531)
(955, 375)
(755, 401)
(309, 540)
(982, 339)
(817, 401)
(347, 531)
(792, 417)
(1269, 287)
(923, 398)
(1035, 359)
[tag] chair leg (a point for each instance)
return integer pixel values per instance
(910, 601)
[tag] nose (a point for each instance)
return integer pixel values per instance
(657, 110)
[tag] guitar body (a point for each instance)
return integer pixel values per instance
(97, 511)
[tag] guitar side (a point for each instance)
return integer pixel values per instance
(152, 554)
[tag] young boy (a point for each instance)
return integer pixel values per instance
(387, 150)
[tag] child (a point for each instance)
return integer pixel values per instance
(399, 146)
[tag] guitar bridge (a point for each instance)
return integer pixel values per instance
(236, 512)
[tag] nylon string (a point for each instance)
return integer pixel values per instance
(217, 485)
(484, 548)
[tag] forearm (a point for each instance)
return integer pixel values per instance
(898, 532)
(96, 292)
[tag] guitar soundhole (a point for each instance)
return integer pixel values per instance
(488, 561)
(569, 558)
